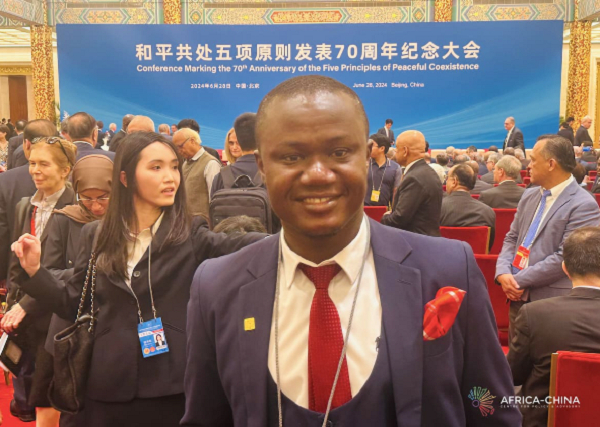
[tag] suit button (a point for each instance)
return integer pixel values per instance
(136, 274)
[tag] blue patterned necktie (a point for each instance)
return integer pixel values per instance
(535, 224)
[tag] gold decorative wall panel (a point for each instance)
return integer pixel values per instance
(15, 71)
(172, 11)
(579, 70)
(443, 11)
(43, 71)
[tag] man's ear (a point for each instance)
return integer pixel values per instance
(261, 166)
(564, 268)
(369, 148)
(123, 179)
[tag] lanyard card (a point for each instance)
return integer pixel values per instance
(375, 195)
(152, 338)
(521, 258)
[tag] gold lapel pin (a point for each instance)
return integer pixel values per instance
(249, 324)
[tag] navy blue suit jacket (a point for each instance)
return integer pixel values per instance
(85, 149)
(227, 367)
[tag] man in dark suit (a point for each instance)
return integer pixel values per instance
(116, 139)
(14, 185)
(566, 323)
(251, 328)
(246, 164)
(418, 201)
(83, 133)
(514, 137)
(15, 142)
(529, 267)
(387, 131)
(479, 184)
(490, 163)
(459, 209)
(507, 194)
(566, 131)
(582, 137)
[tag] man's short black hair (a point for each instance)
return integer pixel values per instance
(38, 128)
(570, 119)
(20, 125)
(238, 225)
(426, 147)
(381, 141)
(559, 149)
(493, 148)
(244, 127)
(581, 252)
(564, 125)
(472, 148)
(81, 126)
(465, 175)
(579, 173)
(308, 85)
(189, 124)
(389, 122)
(442, 159)
(100, 124)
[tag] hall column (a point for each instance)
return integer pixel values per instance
(42, 71)
(172, 11)
(578, 91)
(443, 11)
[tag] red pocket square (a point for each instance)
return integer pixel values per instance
(441, 312)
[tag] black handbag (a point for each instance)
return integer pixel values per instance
(73, 353)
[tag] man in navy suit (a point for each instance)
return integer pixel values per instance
(387, 131)
(529, 267)
(242, 341)
(83, 131)
(514, 137)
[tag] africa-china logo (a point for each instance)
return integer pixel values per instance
(482, 399)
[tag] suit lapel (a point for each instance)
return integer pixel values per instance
(402, 312)
(528, 218)
(257, 299)
(563, 198)
(67, 198)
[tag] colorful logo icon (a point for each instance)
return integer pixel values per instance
(482, 399)
(146, 351)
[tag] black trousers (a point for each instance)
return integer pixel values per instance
(165, 411)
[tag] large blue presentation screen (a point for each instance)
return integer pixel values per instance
(455, 82)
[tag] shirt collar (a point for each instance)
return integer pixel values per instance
(350, 258)
(51, 200)
(557, 189)
(200, 152)
(154, 228)
(246, 158)
(507, 180)
(83, 142)
(408, 166)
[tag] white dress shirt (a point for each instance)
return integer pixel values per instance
(295, 300)
(210, 171)
(45, 206)
(408, 166)
(138, 246)
(554, 193)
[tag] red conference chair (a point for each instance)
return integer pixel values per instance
(475, 196)
(590, 185)
(524, 174)
(574, 375)
(375, 212)
(597, 196)
(444, 188)
(220, 151)
(592, 175)
(487, 265)
(526, 180)
(477, 237)
(504, 218)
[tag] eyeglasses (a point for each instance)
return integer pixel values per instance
(180, 146)
(53, 140)
(86, 201)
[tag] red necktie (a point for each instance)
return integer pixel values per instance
(325, 343)
(441, 312)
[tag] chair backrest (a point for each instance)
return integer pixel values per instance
(597, 196)
(526, 180)
(504, 218)
(523, 173)
(477, 237)
(444, 188)
(475, 196)
(592, 174)
(375, 212)
(574, 375)
(487, 265)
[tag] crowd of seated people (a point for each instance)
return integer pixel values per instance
(132, 208)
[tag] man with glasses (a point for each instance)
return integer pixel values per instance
(199, 170)
(84, 134)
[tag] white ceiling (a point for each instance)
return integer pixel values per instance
(18, 37)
